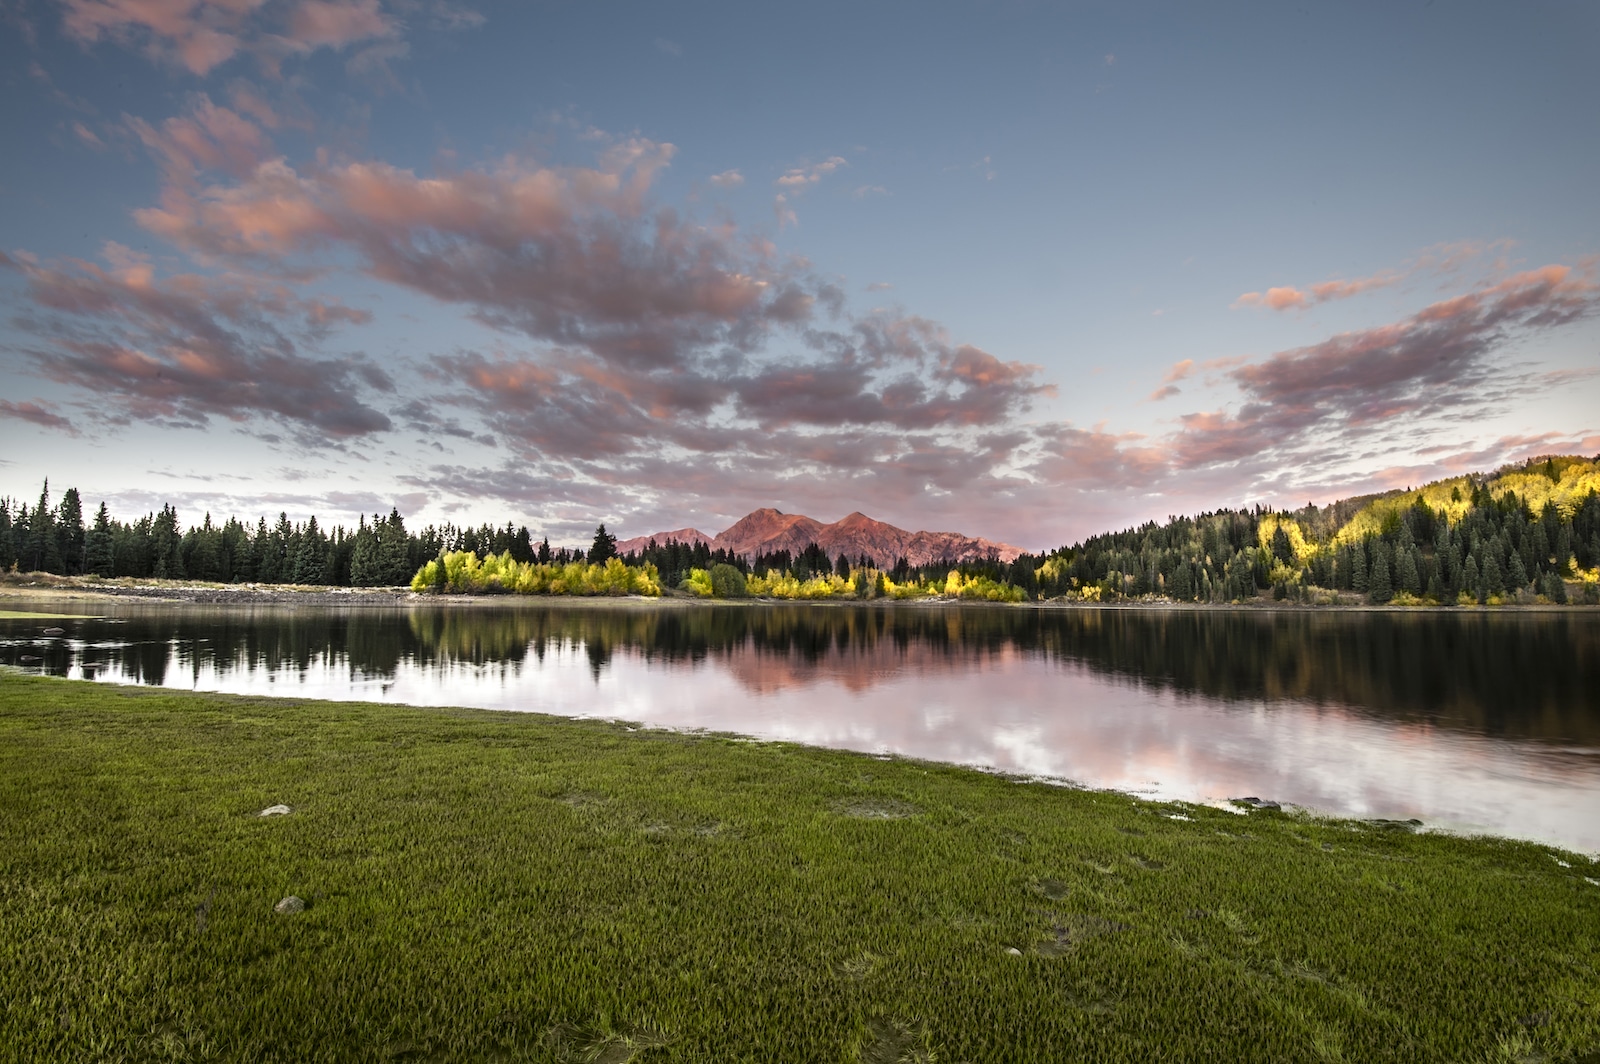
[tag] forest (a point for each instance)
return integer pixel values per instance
(378, 552)
(1526, 533)
(1520, 535)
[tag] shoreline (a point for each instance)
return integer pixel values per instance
(182, 592)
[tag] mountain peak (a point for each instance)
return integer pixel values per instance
(767, 530)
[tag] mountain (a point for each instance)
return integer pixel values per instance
(766, 530)
(682, 535)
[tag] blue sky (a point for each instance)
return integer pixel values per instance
(1020, 270)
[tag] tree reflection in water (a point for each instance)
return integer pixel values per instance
(1514, 675)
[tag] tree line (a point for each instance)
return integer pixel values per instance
(1473, 546)
(1451, 542)
(60, 538)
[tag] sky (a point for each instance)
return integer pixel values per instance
(1021, 270)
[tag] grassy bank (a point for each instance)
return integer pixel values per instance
(497, 887)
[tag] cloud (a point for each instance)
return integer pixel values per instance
(337, 24)
(802, 177)
(863, 191)
(879, 286)
(88, 136)
(38, 414)
(1439, 362)
(186, 348)
(784, 214)
(1441, 258)
(666, 47)
(201, 35)
(208, 138)
(1110, 60)
(1179, 371)
(727, 179)
(635, 346)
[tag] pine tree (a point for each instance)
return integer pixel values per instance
(1282, 549)
(1472, 579)
(311, 554)
(1358, 568)
(43, 552)
(1517, 573)
(1405, 570)
(69, 532)
(365, 570)
(1379, 588)
(604, 548)
(1493, 583)
(394, 551)
(166, 546)
(97, 554)
(8, 543)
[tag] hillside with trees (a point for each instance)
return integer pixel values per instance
(1523, 534)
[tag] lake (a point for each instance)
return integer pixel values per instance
(1468, 721)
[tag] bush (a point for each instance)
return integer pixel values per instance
(727, 582)
(464, 572)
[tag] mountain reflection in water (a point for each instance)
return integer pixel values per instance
(1474, 720)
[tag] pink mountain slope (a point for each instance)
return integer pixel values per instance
(767, 530)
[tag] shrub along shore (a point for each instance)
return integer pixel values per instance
(482, 886)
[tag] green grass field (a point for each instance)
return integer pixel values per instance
(487, 886)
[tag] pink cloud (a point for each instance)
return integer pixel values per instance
(181, 349)
(1441, 258)
(1284, 298)
(337, 23)
(38, 414)
(201, 35)
(802, 177)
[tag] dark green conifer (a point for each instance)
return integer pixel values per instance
(605, 547)
(1518, 575)
(1379, 587)
(70, 533)
(97, 553)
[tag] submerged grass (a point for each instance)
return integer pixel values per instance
(485, 886)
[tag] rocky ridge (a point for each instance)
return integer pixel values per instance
(766, 530)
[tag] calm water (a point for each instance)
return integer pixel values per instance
(1467, 721)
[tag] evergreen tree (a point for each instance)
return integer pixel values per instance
(1518, 574)
(544, 551)
(1358, 568)
(1493, 582)
(97, 554)
(365, 570)
(1182, 586)
(394, 559)
(44, 550)
(1379, 587)
(8, 543)
(1282, 549)
(1472, 579)
(70, 533)
(1405, 570)
(166, 546)
(605, 547)
(311, 554)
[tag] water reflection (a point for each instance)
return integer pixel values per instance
(1482, 721)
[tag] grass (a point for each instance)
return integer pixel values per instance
(24, 615)
(489, 886)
